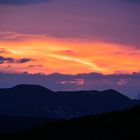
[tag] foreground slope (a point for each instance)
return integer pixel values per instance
(119, 125)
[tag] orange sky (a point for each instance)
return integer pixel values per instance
(69, 56)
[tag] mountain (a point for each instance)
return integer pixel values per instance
(27, 89)
(24, 100)
(37, 101)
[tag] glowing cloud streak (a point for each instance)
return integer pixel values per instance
(69, 56)
(81, 61)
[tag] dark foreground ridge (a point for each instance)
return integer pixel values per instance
(119, 125)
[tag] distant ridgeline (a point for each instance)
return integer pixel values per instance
(37, 101)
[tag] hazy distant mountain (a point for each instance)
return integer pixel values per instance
(37, 101)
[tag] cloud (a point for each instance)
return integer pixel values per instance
(68, 52)
(7, 60)
(127, 84)
(12, 60)
(33, 66)
(72, 82)
(24, 60)
(2, 50)
(80, 61)
(14, 36)
(68, 55)
(21, 2)
(114, 21)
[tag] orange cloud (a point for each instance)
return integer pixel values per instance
(69, 56)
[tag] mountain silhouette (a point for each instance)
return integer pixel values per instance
(28, 89)
(38, 101)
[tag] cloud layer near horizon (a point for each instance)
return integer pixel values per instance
(128, 84)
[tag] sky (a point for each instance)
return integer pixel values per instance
(71, 37)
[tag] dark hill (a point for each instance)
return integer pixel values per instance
(27, 89)
(37, 101)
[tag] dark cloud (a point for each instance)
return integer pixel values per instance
(127, 84)
(31, 66)
(21, 2)
(24, 60)
(7, 60)
(12, 60)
